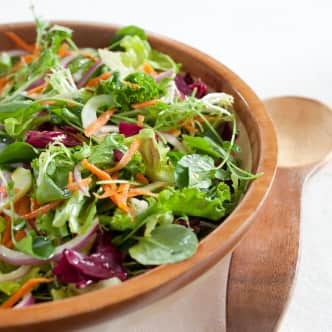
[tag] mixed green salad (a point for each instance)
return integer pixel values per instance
(112, 162)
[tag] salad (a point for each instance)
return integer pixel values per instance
(112, 162)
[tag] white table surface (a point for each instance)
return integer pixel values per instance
(277, 47)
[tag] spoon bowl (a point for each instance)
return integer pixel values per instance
(304, 130)
(263, 267)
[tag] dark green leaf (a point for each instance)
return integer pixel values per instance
(168, 243)
(195, 170)
(17, 152)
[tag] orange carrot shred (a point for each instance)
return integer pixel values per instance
(127, 156)
(145, 104)
(28, 58)
(41, 210)
(89, 55)
(140, 120)
(18, 236)
(121, 198)
(7, 233)
(70, 178)
(192, 130)
(141, 178)
(26, 288)
(96, 80)
(64, 50)
(37, 89)
(19, 41)
(100, 174)
(148, 69)
(138, 192)
(175, 132)
(22, 206)
(76, 185)
(97, 124)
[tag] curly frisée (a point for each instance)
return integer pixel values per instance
(112, 162)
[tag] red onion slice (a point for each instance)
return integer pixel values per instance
(36, 83)
(65, 61)
(77, 242)
(26, 301)
(16, 274)
(18, 258)
(88, 73)
(166, 74)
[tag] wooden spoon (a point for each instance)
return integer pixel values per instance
(264, 265)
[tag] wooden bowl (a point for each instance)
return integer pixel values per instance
(139, 291)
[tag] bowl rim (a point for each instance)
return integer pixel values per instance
(209, 251)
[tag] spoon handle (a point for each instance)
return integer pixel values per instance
(263, 266)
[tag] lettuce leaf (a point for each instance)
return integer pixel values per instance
(196, 203)
(157, 166)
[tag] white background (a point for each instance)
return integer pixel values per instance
(277, 47)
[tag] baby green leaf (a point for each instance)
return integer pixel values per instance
(168, 243)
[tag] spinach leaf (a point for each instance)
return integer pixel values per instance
(37, 246)
(17, 152)
(168, 243)
(201, 144)
(195, 170)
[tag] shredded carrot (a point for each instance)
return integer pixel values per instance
(76, 185)
(37, 89)
(140, 120)
(3, 82)
(41, 210)
(175, 132)
(18, 41)
(191, 129)
(141, 178)
(70, 178)
(48, 102)
(145, 104)
(26, 288)
(64, 50)
(89, 55)
(138, 192)
(7, 233)
(28, 58)
(22, 206)
(100, 174)
(96, 80)
(36, 51)
(134, 146)
(148, 69)
(97, 124)
(121, 198)
(18, 236)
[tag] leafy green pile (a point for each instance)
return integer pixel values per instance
(109, 166)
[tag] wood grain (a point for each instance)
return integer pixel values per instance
(263, 266)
